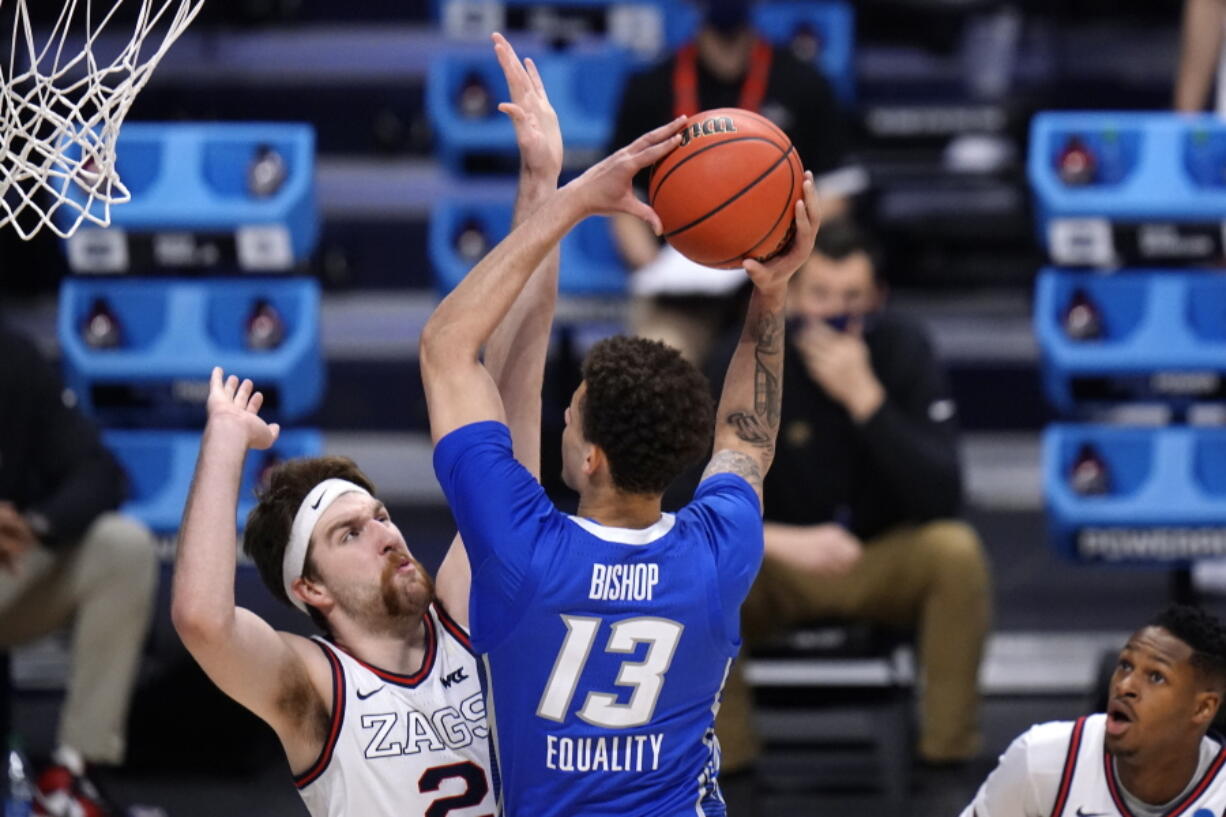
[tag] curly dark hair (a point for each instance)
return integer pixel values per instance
(649, 410)
(269, 523)
(1202, 632)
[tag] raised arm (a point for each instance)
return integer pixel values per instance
(516, 352)
(747, 420)
(1199, 53)
(251, 662)
(459, 389)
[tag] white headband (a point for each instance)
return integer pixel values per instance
(313, 506)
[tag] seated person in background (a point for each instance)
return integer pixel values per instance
(66, 555)
(728, 65)
(1147, 755)
(861, 504)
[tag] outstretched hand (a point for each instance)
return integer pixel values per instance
(606, 187)
(773, 275)
(239, 403)
(536, 124)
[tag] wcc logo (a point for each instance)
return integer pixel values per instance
(454, 678)
(707, 127)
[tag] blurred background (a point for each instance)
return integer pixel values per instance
(308, 178)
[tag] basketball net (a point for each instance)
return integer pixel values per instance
(64, 92)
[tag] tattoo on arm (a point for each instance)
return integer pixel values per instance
(735, 462)
(749, 428)
(768, 361)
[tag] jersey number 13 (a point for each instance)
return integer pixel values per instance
(646, 677)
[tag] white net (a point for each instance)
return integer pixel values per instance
(65, 87)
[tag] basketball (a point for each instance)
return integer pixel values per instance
(729, 190)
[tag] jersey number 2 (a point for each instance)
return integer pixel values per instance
(646, 677)
(469, 772)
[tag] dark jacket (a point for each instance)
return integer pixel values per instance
(52, 461)
(798, 99)
(900, 466)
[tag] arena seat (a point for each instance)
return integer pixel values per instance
(590, 264)
(192, 204)
(584, 88)
(829, 685)
(160, 464)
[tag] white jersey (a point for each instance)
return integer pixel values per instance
(405, 744)
(1061, 769)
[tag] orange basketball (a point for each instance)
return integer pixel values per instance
(729, 191)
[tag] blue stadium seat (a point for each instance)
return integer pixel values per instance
(173, 331)
(1162, 337)
(191, 208)
(590, 264)
(160, 465)
(1138, 189)
(584, 87)
(835, 27)
(1164, 502)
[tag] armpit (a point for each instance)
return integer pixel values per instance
(300, 704)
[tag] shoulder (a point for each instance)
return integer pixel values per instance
(1047, 744)
(732, 474)
(482, 440)
(900, 328)
(787, 67)
(486, 431)
(902, 338)
(22, 354)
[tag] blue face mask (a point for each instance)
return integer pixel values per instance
(842, 321)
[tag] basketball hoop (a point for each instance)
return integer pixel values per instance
(64, 92)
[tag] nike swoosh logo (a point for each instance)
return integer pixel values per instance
(319, 499)
(1081, 812)
(363, 696)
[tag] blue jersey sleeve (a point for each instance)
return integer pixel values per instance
(500, 509)
(729, 509)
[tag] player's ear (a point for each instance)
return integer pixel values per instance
(593, 459)
(312, 593)
(1207, 704)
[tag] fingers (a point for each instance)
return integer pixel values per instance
(638, 208)
(808, 210)
(244, 393)
(275, 428)
(256, 401)
(516, 113)
(664, 133)
(216, 381)
(231, 386)
(518, 80)
(755, 269)
(649, 156)
(813, 202)
(535, 76)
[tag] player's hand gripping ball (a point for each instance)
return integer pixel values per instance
(729, 191)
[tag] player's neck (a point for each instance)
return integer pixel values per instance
(615, 509)
(399, 652)
(1158, 778)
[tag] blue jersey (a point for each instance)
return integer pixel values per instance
(605, 649)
